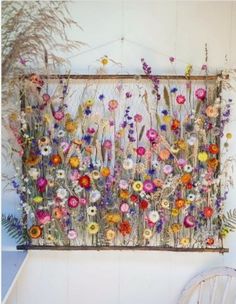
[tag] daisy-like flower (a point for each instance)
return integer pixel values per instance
(128, 164)
(60, 174)
(165, 204)
(95, 174)
(155, 164)
(191, 197)
(185, 241)
(61, 133)
(62, 193)
(153, 216)
(137, 186)
(188, 168)
(73, 201)
(147, 234)
(93, 228)
(33, 173)
(92, 210)
(46, 150)
(167, 169)
(94, 196)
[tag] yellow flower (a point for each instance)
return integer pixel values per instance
(224, 231)
(165, 204)
(70, 126)
(184, 241)
(74, 161)
(95, 174)
(181, 144)
(174, 212)
(174, 149)
(93, 228)
(166, 118)
(202, 156)
(47, 118)
(37, 199)
(121, 133)
(113, 218)
(188, 70)
(229, 135)
(147, 234)
(105, 171)
(104, 60)
(175, 228)
(138, 186)
(13, 116)
(110, 235)
(89, 103)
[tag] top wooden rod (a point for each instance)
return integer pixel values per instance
(130, 76)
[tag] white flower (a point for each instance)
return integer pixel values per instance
(155, 164)
(165, 204)
(123, 184)
(188, 168)
(153, 216)
(33, 173)
(61, 133)
(62, 193)
(147, 234)
(92, 210)
(128, 164)
(191, 140)
(142, 194)
(77, 189)
(60, 174)
(191, 197)
(94, 196)
(45, 150)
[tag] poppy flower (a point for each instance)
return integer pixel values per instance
(133, 198)
(208, 212)
(186, 178)
(35, 232)
(125, 228)
(175, 124)
(210, 241)
(33, 160)
(143, 204)
(85, 181)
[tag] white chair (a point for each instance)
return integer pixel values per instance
(215, 286)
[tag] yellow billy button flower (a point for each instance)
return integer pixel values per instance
(110, 234)
(37, 199)
(89, 103)
(202, 156)
(93, 228)
(166, 118)
(185, 241)
(174, 212)
(138, 186)
(229, 135)
(104, 60)
(147, 234)
(74, 161)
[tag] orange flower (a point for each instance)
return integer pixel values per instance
(70, 126)
(35, 232)
(158, 182)
(175, 124)
(175, 228)
(56, 159)
(33, 160)
(57, 213)
(124, 194)
(89, 149)
(214, 149)
(74, 161)
(212, 111)
(84, 181)
(164, 154)
(186, 178)
(208, 212)
(105, 171)
(179, 203)
(181, 144)
(113, 218)
(125, 228)
(213, 163)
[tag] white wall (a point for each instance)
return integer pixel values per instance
(159, 30)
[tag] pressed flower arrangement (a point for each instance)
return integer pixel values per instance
(123, 163)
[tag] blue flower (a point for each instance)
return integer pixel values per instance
(87, 111)
(164, 112)
(163, 128)
(101, 97)
(87, 139)
(174, 90)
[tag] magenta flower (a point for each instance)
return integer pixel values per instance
(46, 97)
(180, 99)
(107, 144)
(189, 221)
(200, 94)
(73, 201)
(41, 184)
(43, 217)
(83, 201)
(58, 115)
(152, 134)
(141, 151)
(148, 186)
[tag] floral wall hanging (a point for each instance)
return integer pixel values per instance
(122, 163)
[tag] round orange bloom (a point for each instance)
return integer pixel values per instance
(214, 149)
(105, 171)
(179, 203)
(84, 181)
(125, 228)
(35, 232)
(57, 213)
(208, 212)
(182, 144)
(164, 154)
(113, 218)
(56, 159)
(158, 182)
(213, 163)
(175, 124)
(186, 178)
(175, 228)
(212, 111)
(113, 104)
(74, 161)
(124, 194)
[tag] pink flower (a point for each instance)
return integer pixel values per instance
(41, 184)
(46, 97)
(141, 151)
(180, 99)
(73, 201)
(200, 94)
(204, 67)
(123, 184)
(65, 146)
(112, 105)
(83, 201)
(167, 169)
(152, 134)
(74, 175)
(124, 208)
(43, 217)
(189, 221)
(138, 118)
(91, 131)
(72, 234)
(148, 186)
(181, 162)
(58, 115)
(107, 144)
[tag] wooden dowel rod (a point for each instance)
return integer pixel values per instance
(142, 248)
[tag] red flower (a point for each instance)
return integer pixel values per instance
(213, 148)
(125, 228)
(175, 124)
(143, 204)
(208, 212)
(180, 99)
(133, 198)
(84, 181)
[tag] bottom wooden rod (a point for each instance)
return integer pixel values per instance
(142, 248)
